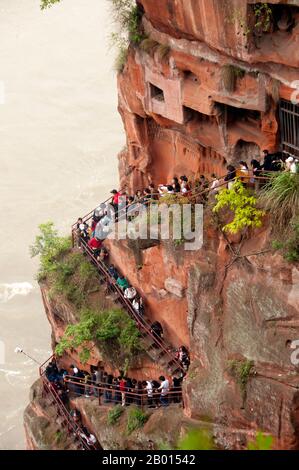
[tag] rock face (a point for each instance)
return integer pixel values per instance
(247, 312)
(61, 313)
(43, 430)
(163, 427)
(204, 92)
(201, 92)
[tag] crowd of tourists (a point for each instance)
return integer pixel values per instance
(58, 385)
(122, 389)
(130, 293)
(94, 233)
(119, 389)
(127, 205)
(255, 173)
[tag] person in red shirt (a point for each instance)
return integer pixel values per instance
(122, 389)
(115, 197)
(115, 200)
(95, 245)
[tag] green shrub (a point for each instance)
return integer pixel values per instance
(79, 335)
(136, 419)
(50, 247)
(48, 3)
(243, 204)
(74, 277)
(263, 17)
(127, 17)
(290, 246)
(60, 437)
(280, 197)
(114, 414)
(179, 242)
(121, 59)
(197, 439)
(241, 371)
(69, 274)
(262, 442)
(114, 332)
(118, 336)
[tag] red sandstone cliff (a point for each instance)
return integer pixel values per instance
(196, 125)
(181, 119)
(226, 302)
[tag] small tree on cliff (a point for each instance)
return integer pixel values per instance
(113, 331)
(126, 15)
(49, 246)
(243, 204)
(127, 19)
(48, 3)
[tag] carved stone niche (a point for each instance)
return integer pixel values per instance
(245, 151)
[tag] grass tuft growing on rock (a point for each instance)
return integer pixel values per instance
(241, 371)
(230, 74)
(149, 45)
(114, 415)
(136, 419)
(280, 197)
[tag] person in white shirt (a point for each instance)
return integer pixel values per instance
(130, 293)
(89, 438)
(164, 387)
(214, 188)
(291, 165)
(138, 305)
(244, 167)
(148, 387)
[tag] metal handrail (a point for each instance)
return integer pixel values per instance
(42, 367)
(103, 269)
(193, 191)
(73, 425)
(142, 323)
(49, 387)
(142, 396)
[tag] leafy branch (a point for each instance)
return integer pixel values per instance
(48, 3)
(242, 203)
